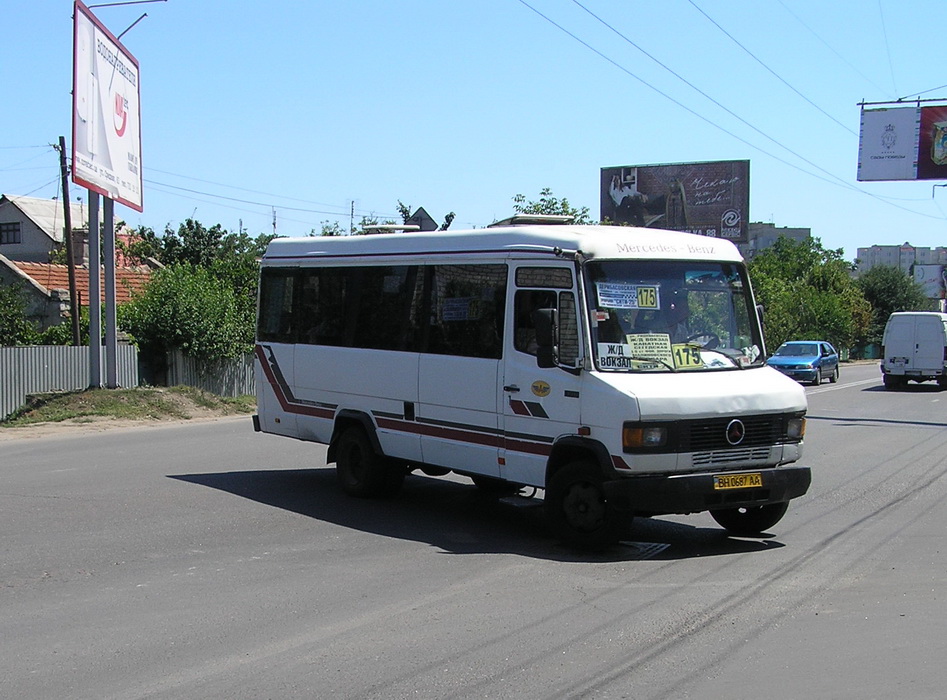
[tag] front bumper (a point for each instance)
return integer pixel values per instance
(693, 493)
(800, 375)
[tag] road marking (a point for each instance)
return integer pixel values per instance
(837, 386)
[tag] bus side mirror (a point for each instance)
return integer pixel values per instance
(546, 322)
(759, 314)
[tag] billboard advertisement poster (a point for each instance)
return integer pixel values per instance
(709, 198)
(106, 115)
(932, 280)
(887, 146)
(932, 144)
(903, 143)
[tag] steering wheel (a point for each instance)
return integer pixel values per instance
(712, 339)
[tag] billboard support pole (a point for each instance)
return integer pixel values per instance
(95, 294)
(111, 334)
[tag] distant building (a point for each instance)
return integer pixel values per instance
(904, 257)
(31, 233)
(31, 229)
(46, 287)
(761, 236)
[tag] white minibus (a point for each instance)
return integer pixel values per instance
(619, 371)
(914, 348)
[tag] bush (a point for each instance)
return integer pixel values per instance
(187, 307)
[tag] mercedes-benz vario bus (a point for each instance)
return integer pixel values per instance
(619, 371)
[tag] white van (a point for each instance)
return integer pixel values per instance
(914, 348)
(619, 370)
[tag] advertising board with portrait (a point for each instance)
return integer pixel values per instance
(709, 198)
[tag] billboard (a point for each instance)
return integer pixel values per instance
(710, 198)
(106, 115)
(932, 280)
(903, 143)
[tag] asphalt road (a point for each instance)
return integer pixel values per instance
(206, 561)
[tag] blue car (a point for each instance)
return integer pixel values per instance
(806, 361)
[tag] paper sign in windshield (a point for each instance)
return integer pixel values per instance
(619, 356)
(618, 295)
(643, 351)
(654, 346)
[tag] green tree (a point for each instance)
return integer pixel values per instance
(195, 252)
(549, 204)
(889, 289)
(331, 228)
(15, 327)
(188, 307)
(807, 292)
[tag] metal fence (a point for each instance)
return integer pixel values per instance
(224, 378)
(35, 369)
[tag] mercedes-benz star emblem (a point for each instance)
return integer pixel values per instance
(736, 431)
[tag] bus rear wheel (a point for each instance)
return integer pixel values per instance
(576, 507)
(752, 520)
(361, 471)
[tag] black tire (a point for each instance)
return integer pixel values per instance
(834, 377)
(818, 377)
(361, 471)
(752, 520)
(892, 383)
(577, 510)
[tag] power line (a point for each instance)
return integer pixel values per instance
(831, 179)
(267, 214)
(829, 47)
(922, 92)
(884, 31)
(771, 71)
(244, 201)
(16, 166)
(242, 189)
(56, 179)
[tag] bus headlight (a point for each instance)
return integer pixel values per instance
(635, 436)
(796, 428)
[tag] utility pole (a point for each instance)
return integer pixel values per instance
(67, 239)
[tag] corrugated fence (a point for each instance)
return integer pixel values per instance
(39, 368)
(225, 378)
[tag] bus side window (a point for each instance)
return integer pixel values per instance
(466, 315)
(524, 329)
(275, 322)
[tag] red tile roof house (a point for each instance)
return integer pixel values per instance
(31, 230)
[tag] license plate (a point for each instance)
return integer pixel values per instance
(738, 481)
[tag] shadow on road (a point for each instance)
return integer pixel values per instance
(910, 388)
(843, 421)
(460, 519)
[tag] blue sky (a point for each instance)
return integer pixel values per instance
(310, 109)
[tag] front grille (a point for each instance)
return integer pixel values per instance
(711, 434)
(731, 456)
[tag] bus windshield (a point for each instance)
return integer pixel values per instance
(669, 316)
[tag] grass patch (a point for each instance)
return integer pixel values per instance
(141, 403)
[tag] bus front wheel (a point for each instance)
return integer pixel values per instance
(576, 507)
